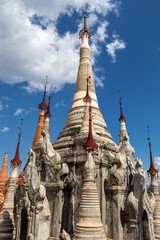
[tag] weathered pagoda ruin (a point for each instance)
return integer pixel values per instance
(84, 185)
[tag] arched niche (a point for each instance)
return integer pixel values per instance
(145, 226)
(43, 172)
(24, 224)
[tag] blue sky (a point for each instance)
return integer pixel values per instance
(41, 38)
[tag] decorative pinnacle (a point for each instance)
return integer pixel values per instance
(16, 159)
(90, 144)
(152, 169)
(48, 114)
(122, 118)
(85, 29)
(43, 104)
(87, 98)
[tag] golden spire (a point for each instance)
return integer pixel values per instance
(40, 126)
(4, 172)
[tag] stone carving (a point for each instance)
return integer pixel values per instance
(132, 205)
(118, 171)
(55, 170)
(35, 190)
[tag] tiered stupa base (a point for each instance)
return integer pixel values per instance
(89, 225)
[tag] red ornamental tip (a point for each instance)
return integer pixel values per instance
(43, 104)
(16, 158)
(122, 118)
(90, 144)
(87, 98)
(152, 169)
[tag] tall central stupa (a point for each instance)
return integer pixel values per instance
(76, 113)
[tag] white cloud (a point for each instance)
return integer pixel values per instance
(114, 46)
(7, 98)
(157, 163)
(60, 104)
(19, 111)
(24, 111)
(102, 31)
(5, 129)
(30, 110)
(157, 166)
(1, 106)
(6, 106)
(30, 52)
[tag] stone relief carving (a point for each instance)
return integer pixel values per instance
(36, 191)
(118, 171)
(55, 170)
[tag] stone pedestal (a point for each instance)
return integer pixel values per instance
(115, 206)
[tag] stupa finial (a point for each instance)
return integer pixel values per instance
(16, 159)
(43, 104)
(87, 98)
(48, 114)
(90, 144)
(85, 29)
(122, 118)
(152, 169)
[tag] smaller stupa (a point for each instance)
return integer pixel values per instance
(153, 172)
(89, 225)
(15, 163)
(42, 106)
(122, 119)
(4, 172)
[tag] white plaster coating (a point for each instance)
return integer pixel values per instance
(123, 125)
(14, 173)
(85, 41)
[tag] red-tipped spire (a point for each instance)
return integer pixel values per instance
(152, 169)
(85, 29)
(48, 114)
(87, 98)
(122, 118)
(16, 158)
(43, 104)
(90, 144)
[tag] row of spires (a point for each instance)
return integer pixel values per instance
(90, 144)
(90, 141)
(152, 169)
(4, 181)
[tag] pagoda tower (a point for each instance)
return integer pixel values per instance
(122, 120)
(4, 172)
(152, 171)
(9, 198)
(42, 106)
(74, 120)
(89, 225)
(47, 117)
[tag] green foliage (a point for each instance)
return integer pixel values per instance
(104, 145)
(77, 131)
(111, 161)
(56, 166)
